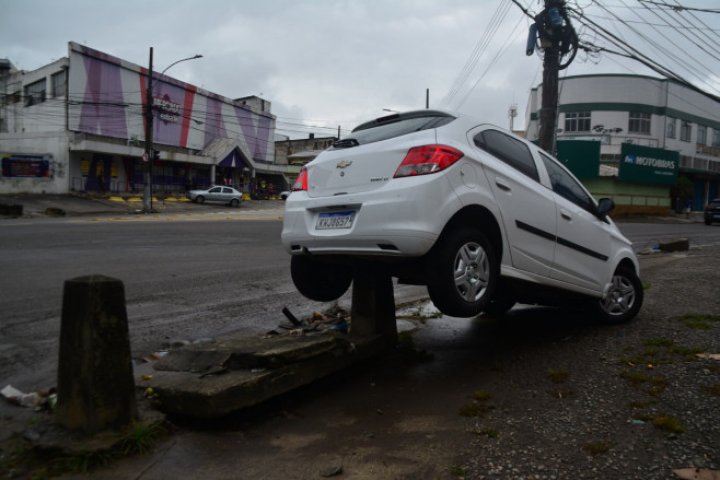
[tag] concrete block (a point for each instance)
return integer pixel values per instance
(95, 379)
(679, 245)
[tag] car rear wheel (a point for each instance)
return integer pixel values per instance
(462, 273)
(623, 299)
(234, 202)
(200, 199)
(318, 280)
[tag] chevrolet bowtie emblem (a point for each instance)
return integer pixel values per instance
(343, 164)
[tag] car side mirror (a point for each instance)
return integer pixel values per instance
(605, 206)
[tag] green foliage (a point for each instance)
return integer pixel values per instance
(595, 448)
(668, 423)
(696, 321)
(142, 438)
(558, 375)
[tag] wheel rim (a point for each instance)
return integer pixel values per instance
(471, 271)
(620, 297)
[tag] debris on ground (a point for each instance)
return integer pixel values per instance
(334, 319)
(38, 400)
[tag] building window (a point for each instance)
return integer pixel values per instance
(577, 122)
(59, 82)
(702, 135)
(685, 130)
(639, 123)
(670, 128)
(716, 137)
(35, 92)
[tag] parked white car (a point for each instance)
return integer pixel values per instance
(483, 218)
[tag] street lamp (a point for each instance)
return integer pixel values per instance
(149, 156)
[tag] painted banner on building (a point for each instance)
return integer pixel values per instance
(28, 166)
(639, 164)
(108, 98)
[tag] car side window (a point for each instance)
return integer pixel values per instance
(510, 150)
(215, 190)
(566, 186)
(227, 190)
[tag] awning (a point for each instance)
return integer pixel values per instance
(234, 160)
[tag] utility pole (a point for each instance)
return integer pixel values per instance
(557, 38)
(427, 98)
(148, 157)
(548, 110)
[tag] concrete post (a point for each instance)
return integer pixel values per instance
(96, 390)
(373, 303)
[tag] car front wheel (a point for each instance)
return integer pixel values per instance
(234, 202)
(318, 280)
(624, 298)
(462, 273)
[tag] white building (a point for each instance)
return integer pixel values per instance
(78, 124)
(640, 110)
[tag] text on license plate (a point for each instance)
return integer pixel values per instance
(332, 220)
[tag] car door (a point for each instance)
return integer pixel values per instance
(214, 194)
(527, 207)
(583, 239)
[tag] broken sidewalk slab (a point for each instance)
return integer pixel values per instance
(215, 379)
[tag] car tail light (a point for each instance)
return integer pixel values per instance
(427, 159)
(301, 182)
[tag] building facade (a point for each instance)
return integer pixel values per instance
(78, 124)
(622, 111)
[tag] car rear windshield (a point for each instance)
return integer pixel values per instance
(393, 126)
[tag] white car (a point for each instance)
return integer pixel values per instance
(217, 194)
(483, 218)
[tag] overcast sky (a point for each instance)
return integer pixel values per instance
(324, 63)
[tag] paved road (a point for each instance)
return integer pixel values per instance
(190, 274)
(187, 276)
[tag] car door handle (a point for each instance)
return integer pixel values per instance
(502, 186)
(565, 214)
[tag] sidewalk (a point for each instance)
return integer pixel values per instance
(79, 204)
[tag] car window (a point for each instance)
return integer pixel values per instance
(227, 190)
(394, 126)
(215, 190)
(566, 186)
(508, 149)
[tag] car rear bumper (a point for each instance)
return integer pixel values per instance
(400, 219)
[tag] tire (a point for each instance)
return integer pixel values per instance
(623, 300)
(463, 273)
(200, 199)
(234, 202)
(317, 280)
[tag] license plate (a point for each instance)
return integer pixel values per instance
(334, 220)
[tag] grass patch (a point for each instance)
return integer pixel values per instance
(696, 321)
(657, 385)
(596, 448)
(20, 457)
(487, 432)
(659, 342)
(477, 406)
(713, 390)
(481, 395)
(668, 423)
(558, 375)
(641, 404)
(635, 377)
(647, 285)
(406, 346)
(457, 471)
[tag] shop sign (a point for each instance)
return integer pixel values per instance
(168, 110)
(35, 166)
(640, 164)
